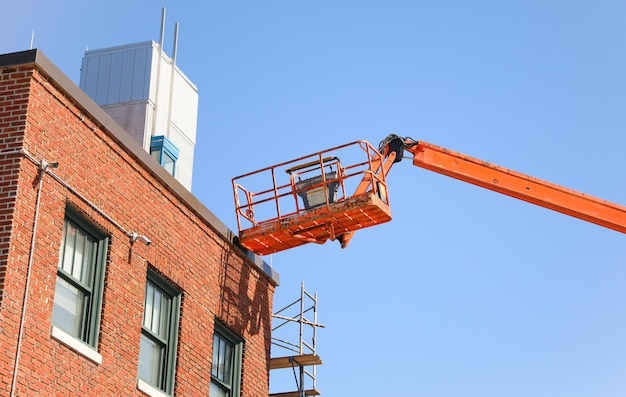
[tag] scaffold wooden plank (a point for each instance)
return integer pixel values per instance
(295, 361)
(309, 392)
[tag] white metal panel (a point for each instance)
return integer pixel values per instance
(102, 88)
(126, 86)
(140, 78)
(115, 78)
(184, 164)
(160, 95)
(118, 74)
(185, 106)
(89, 76)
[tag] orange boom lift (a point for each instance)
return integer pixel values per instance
(330, 194)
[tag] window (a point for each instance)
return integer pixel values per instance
(159, 334)
(164, 152)
(80, 280)
(226, 367)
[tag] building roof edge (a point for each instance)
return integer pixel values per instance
(37, 57)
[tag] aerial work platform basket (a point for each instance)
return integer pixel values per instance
(323, 196)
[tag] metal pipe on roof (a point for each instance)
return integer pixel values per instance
(175, 49)
(172, 78)
(158, 79)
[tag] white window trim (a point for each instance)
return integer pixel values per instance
(77, 345)
(150, 390)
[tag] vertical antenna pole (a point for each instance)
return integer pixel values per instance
(158, 79)
(172, 76)
(162, 27)
(32, 39)
(175, 49)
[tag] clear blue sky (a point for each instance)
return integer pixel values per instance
(465, 292)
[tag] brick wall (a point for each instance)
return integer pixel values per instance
(216, 279)
(13, 105)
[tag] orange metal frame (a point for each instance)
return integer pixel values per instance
(271, 203)
(518, 185)
(337, 218)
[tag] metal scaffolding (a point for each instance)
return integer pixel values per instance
(301, 354)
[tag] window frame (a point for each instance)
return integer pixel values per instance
(161, 147)
(91, 311)
(222, 332)
(167, 362)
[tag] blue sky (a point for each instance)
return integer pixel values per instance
(465, 292)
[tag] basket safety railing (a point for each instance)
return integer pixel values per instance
(291, 188)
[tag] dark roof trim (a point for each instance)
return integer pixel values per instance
(37, 57)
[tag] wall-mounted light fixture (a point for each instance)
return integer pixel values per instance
(44, 165)
(134, 237)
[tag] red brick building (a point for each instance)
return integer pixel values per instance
(114, 279)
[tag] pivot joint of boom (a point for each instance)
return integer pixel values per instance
(395, 144)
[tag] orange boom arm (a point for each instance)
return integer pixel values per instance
(509, 182)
